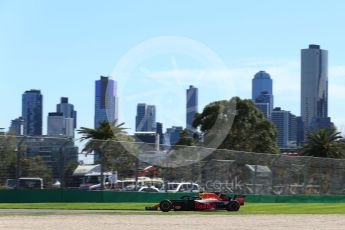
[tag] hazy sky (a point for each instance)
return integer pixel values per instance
(156, 49)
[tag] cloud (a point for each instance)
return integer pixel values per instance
(336, 72)
(236, 80)
(337, 91)
(285, 75)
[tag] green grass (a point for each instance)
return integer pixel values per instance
(249, 208)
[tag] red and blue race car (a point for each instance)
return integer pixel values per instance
(205, 201)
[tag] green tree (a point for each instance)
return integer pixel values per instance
(35, 167)
(185, 138)
(8, 157)
(102, 141)
(68, 173)
(324, 143)
(249, 130)
(97, 138)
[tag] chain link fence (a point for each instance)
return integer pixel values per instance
(133, 166)
(48, 158)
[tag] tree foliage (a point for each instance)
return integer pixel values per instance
(106, 141)
(8, 157)
(324, 143)
(185, 138)
(98, 137)
(35, 167)
(239, 124)
(69, 168)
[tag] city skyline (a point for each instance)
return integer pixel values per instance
(312, 66)
(70, 54)
(262, 82)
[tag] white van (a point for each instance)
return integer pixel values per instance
(30, 182)
(93, 180)
(180, 187)
(11, 183)
(128, 184)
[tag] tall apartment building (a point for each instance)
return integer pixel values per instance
(67, 110)
(63, 121)
(314, 88)
(106, 100)
(262, 93)
(286, 125)
(32, 112)
(145, 120)
(17, 126)
(191, 106)
(172, 135)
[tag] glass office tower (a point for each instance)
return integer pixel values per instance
(32, 111)
(314, 86)
(191, 106)
(106, 101)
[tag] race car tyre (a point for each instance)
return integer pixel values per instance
(233, 206)
(165, 205)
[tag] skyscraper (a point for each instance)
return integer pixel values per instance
(159, 131)
(63, 121)
(314, 87)
(281, 120)
(145, 120)
(58, 125)
(140, 119)
(299, 131)
(17, 126)
(262, 93)
(191, 106)
(264, 108)
(285, 123)
(32, 109)
(292, 130)
(67, 110)
(55, 124)
(151, 118)
(106, 101)
(172, 135)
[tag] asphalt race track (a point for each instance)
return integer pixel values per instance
(117, 220)
(67, 211)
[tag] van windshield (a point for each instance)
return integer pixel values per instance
(11, 183)
(30, 183)
(93, 179)
(170, 186)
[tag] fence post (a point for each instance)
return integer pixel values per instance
(17, 150)
(255, 167)
(136, 172)
(306, 168)
(62, 153)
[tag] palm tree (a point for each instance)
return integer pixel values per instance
(323, 143)
(99, 138)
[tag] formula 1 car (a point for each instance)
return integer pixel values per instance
(205, 201)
